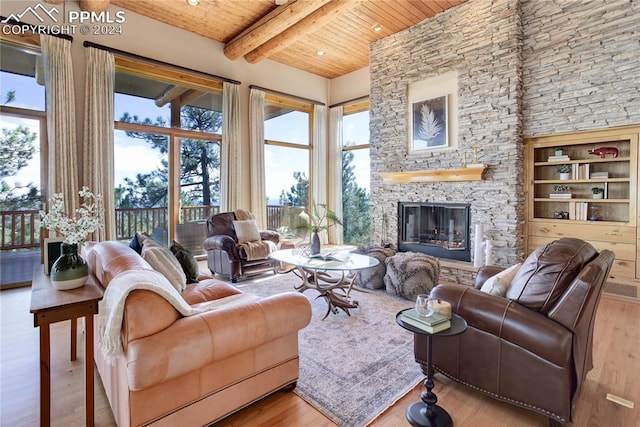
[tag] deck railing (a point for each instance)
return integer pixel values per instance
(20, 229)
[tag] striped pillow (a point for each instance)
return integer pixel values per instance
(163, 261)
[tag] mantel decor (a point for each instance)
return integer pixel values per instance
(70, 270)
(437, 175)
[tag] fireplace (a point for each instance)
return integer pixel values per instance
(437, 229)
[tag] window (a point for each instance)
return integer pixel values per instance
(167, 155)
(287, 157)
(23, 128)
(356, 174)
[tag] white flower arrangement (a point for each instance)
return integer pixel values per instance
(89, 217)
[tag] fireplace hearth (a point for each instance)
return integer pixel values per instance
(438, 229)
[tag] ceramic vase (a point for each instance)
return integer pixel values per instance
(315, 243)
(564, 176)
(70, 270)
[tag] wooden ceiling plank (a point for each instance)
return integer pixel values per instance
(271, 25)
(310, 23)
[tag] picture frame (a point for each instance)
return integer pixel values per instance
(432, 111)
(430, 119)
(52, 252)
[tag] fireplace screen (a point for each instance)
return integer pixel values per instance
(438, 229)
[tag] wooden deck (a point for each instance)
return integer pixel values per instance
(16, 267)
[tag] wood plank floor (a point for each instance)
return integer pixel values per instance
(616, 371)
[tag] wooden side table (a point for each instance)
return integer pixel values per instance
(48, 306)
(427, 413)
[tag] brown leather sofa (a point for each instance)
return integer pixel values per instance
(193, 370)
(534, 347)
(226, 257)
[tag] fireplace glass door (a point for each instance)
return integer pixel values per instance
(438, 229)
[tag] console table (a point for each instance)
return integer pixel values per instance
(48, 306)
(427, 413)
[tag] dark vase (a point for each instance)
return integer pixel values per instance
(70, 269)
(315, 243)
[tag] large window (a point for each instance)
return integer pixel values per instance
(23, 128)
(167, 156)
(355, 174)
(287, 157)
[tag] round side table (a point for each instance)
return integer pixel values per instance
(427, 413)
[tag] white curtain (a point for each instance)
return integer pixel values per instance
(319, 161)
(98, 135)
(230, 149)
(335, 171)
(256, 141)
(61, 120)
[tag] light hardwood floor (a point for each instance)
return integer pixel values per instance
(616, 371)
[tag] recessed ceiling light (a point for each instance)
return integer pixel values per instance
(320, 52)
(193, 2)
(376, 27)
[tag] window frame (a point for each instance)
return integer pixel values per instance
(165, 73)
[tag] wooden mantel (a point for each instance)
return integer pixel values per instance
(470, 173)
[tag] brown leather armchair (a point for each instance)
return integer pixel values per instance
(534, 347)
(226, 257)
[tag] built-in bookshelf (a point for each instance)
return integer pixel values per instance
(596, 198)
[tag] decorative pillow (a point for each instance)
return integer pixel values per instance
(246, 231)
(137, 240)
(187, 261)
(499, 283)
(163, 261)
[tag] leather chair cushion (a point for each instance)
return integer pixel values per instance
(548, 271)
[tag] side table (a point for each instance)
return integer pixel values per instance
(48, 306)
(427, 413)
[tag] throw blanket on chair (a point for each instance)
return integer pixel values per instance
(112, 308)
(259, 249)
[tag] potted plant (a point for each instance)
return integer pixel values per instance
(564, 171)
(558, 151)
(322, 218)
(598, 193)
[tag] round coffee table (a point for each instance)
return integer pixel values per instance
(314, 274)
(427, 413)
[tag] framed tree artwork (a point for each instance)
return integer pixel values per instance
(432, 112)
(430, 123)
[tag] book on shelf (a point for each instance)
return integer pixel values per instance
(599, 175)
(562, 158)
(560, 195)
(578, 211)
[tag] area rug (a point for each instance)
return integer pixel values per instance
(352, 368)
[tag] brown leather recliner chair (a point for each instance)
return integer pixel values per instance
(226, 257)
(534, 347)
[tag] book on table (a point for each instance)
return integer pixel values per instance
(433, 323)
(331, 256)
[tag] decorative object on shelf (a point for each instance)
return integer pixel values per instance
(593, 213)
(564, 172)
(558, 151)
(561, 215)
(603, 151)
(598, 193)
(477, 246)
(70, 269)
(560, 188)
(321, 219)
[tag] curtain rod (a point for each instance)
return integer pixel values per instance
(41, 28)
(157, 62)
(350, 101)
(275, 92)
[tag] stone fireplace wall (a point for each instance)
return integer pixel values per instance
(482, 40)
(524, 68)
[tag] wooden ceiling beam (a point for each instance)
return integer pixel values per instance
(272, 24)
(170, 94)
(306, 25)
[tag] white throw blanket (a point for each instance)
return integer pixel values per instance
(112, 309)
